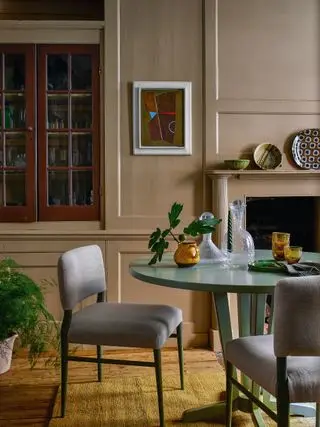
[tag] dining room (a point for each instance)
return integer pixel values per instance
(228, 77)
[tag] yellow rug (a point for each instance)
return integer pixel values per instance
(132, 402)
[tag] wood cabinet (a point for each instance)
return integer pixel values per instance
(49, 149)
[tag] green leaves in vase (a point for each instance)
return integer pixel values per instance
(158, 240)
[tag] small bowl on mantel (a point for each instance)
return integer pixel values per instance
(237, 164)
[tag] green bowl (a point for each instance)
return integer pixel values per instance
(237, 164)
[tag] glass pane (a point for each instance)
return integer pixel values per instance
(57, 111)
(81, 106)
(1, 152)
(58, 149)
(82, 149)
(14, 72)
(81, 72)
(58, 188)
(15, 188)
(15, 149)
(1, 188)
(57, 72)
(82, 193)
(15, 111)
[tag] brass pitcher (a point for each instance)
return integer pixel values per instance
(187, 254)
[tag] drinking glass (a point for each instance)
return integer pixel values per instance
(279, 242)
(292, 254)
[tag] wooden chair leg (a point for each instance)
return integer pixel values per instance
(317, 415)
(157, 361)
(64, 373)
(180, 352)
(99, 364)
(229, 388)
(283, 404)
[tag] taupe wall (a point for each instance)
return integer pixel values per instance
(254, 67)
(266, 74)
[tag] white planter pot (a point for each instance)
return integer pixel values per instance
(6, 348)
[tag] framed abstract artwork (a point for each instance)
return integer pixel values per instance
(162, 118)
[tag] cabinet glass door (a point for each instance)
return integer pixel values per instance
(17, 174)
(69, 132)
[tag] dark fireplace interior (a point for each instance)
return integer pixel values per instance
(294, 215)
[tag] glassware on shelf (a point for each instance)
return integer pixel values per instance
(82, 187)
(81, 111)
(15, 149)
(15, 111)
(238, 243)
(209, 252)
(57, 72)
(81, 72)
(1, 189)
(1, 151)
(14, 71)
(82, 149)
(14, 183)
(279, 242)
(58, 111)
(58, 188)
(58, 149)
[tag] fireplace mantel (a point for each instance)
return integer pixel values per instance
(274, 173)
(245, 183)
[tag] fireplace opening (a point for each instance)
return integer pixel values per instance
(294, 215)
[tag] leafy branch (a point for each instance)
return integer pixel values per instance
(158, 242)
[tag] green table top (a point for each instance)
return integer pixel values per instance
(210, 277)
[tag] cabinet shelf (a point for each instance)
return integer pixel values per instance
(78, 131)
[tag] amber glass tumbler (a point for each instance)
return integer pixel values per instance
(279, 242)
(292, 254)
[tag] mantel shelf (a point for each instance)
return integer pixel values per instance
(263, 173)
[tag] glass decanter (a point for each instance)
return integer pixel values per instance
(209, 253)
(238, 243)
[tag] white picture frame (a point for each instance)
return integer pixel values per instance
(162, 120)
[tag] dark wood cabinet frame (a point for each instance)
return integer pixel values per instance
(37, 208)
(26, 213)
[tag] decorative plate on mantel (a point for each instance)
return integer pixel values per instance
(306, 149)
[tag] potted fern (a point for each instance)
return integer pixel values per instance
(23, 314)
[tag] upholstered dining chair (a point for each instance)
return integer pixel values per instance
(81, 274)
(287, 363)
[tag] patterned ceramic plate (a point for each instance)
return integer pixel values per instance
(306, 149)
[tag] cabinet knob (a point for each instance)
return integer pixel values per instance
(30, 128)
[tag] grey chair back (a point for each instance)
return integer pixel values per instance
(81, 273)
(297, 317)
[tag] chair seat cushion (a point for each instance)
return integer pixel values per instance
(124, 325)
(254, 356)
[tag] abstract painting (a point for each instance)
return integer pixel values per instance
(162, 118)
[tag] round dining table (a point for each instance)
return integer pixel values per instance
(252, 288)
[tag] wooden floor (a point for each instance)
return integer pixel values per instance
(27, 396)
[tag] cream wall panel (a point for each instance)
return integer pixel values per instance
(122, 287)
(51, 291)
(269, 49)
(161, 42)
(43, 246)
(240, 133)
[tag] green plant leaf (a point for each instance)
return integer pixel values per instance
(173, 215)
(153, 260)
(165, 232)
(201, 226)
(154, 237)
(23, 311)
